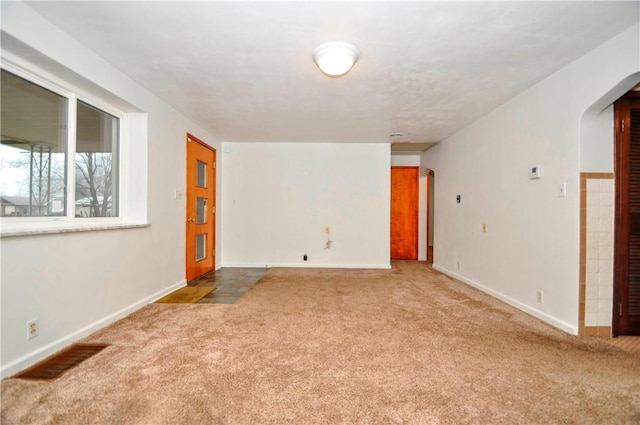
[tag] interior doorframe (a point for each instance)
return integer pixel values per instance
(429, 182)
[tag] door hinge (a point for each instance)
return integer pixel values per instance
(620, 309)
(622, 126)
(213, 252)
(213, 210)
(214, 165)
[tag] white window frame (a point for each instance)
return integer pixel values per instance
(71, 192)
(20, 226)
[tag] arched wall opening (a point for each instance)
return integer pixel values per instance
(430, 212)
(597, 211)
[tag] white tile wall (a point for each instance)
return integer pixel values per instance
(599, 266)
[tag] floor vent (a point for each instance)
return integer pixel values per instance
(59, 363)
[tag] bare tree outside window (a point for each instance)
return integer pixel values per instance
(93, 181)
(96, 149)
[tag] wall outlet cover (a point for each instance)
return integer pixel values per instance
(33, 329)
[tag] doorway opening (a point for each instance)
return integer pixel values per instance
(430, 213)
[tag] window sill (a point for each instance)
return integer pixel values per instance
(93, 227)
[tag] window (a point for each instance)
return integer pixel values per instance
(33, 149)
(96, 163)
(39, 156)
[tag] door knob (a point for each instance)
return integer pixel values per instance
(190, 220)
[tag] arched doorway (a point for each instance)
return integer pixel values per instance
(598, 306)
(430, 213)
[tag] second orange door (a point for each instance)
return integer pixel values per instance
(404, 213)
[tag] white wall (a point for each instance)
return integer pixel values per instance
(596, 148)
(532, 242)
(597, 128)
(75, 283)
(278, 198)
(413, 160)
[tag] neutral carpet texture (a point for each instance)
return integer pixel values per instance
(304, 346)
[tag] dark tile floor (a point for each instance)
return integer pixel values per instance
(231, 283)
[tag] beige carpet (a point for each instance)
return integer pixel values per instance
(406, 346)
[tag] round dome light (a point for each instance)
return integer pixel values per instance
(335, 58)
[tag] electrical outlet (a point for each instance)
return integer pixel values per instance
(539, 297)
(458, 265)
(327, 230)
(32, 329)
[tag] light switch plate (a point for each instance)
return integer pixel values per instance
(562, 190)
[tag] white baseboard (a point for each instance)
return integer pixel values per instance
(308, 266)
(42, 353)
(567, 327)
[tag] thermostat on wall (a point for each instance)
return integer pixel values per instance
(535, 172)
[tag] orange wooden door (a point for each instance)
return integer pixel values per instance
(404, 213)
(201, 208)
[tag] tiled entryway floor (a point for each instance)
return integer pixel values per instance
(231, 283)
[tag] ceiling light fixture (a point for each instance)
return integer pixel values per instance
(335, 58)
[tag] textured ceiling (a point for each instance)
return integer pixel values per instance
(243, 70)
